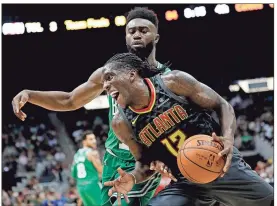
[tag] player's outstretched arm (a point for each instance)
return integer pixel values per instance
(184, 84)
(59, 100)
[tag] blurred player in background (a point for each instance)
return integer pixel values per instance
(141, 39)
(86, 170)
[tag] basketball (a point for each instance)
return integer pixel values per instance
(197, 159)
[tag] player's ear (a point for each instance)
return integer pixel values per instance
(157, 38)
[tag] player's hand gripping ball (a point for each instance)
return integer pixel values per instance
(198, 159)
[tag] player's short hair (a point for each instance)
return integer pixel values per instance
(86, 133)
(129, 61)
(143, 13)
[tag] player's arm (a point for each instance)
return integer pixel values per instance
(124, 133)
(94, 157)
(184, 84)
(126, 181)
(59, 100)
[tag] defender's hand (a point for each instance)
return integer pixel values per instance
(18, 102)
(122, 185)
(228, 151)
(162, 168)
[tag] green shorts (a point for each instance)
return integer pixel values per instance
(138, 196)
(90, 194)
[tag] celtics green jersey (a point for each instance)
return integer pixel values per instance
(82, 169)
(113, 145)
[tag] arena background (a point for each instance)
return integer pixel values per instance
(218, 44)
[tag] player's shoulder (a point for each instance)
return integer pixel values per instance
(76, 155)
(171, 76)
(92, 153)
(77, 152)
(175, 76)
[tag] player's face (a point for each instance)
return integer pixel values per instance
(141, 37)
(91, 141)
(117, 83)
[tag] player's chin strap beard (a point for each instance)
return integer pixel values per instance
(142, 53)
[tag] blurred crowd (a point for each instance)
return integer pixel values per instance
(33, 148)
(255, 132)
(36, 194)
(31, 157)
(252, 123)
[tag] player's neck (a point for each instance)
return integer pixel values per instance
(152, 58)
(142, 97)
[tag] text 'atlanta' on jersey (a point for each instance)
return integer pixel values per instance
(167, 122)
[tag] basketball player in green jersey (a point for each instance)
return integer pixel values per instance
(141, 39)
(86, 170)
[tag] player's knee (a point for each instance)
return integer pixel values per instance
(171, 200)
(133, 202)
(267, 200)
(268, 193)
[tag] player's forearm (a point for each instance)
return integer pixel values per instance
(228, 121)
(51, 100)
(142, 172)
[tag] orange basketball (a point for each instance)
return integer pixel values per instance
(197, 159)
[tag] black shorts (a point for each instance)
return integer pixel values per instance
(241, 186)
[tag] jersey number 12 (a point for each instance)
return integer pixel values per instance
(177, 138)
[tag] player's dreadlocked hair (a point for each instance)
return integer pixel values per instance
(143, 13)
(130, 61)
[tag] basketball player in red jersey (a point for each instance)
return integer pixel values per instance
(175, 105)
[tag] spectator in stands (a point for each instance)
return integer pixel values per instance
(265, 170)
(59, 155)
(22, 161)
(6, 201)
(10, 149)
